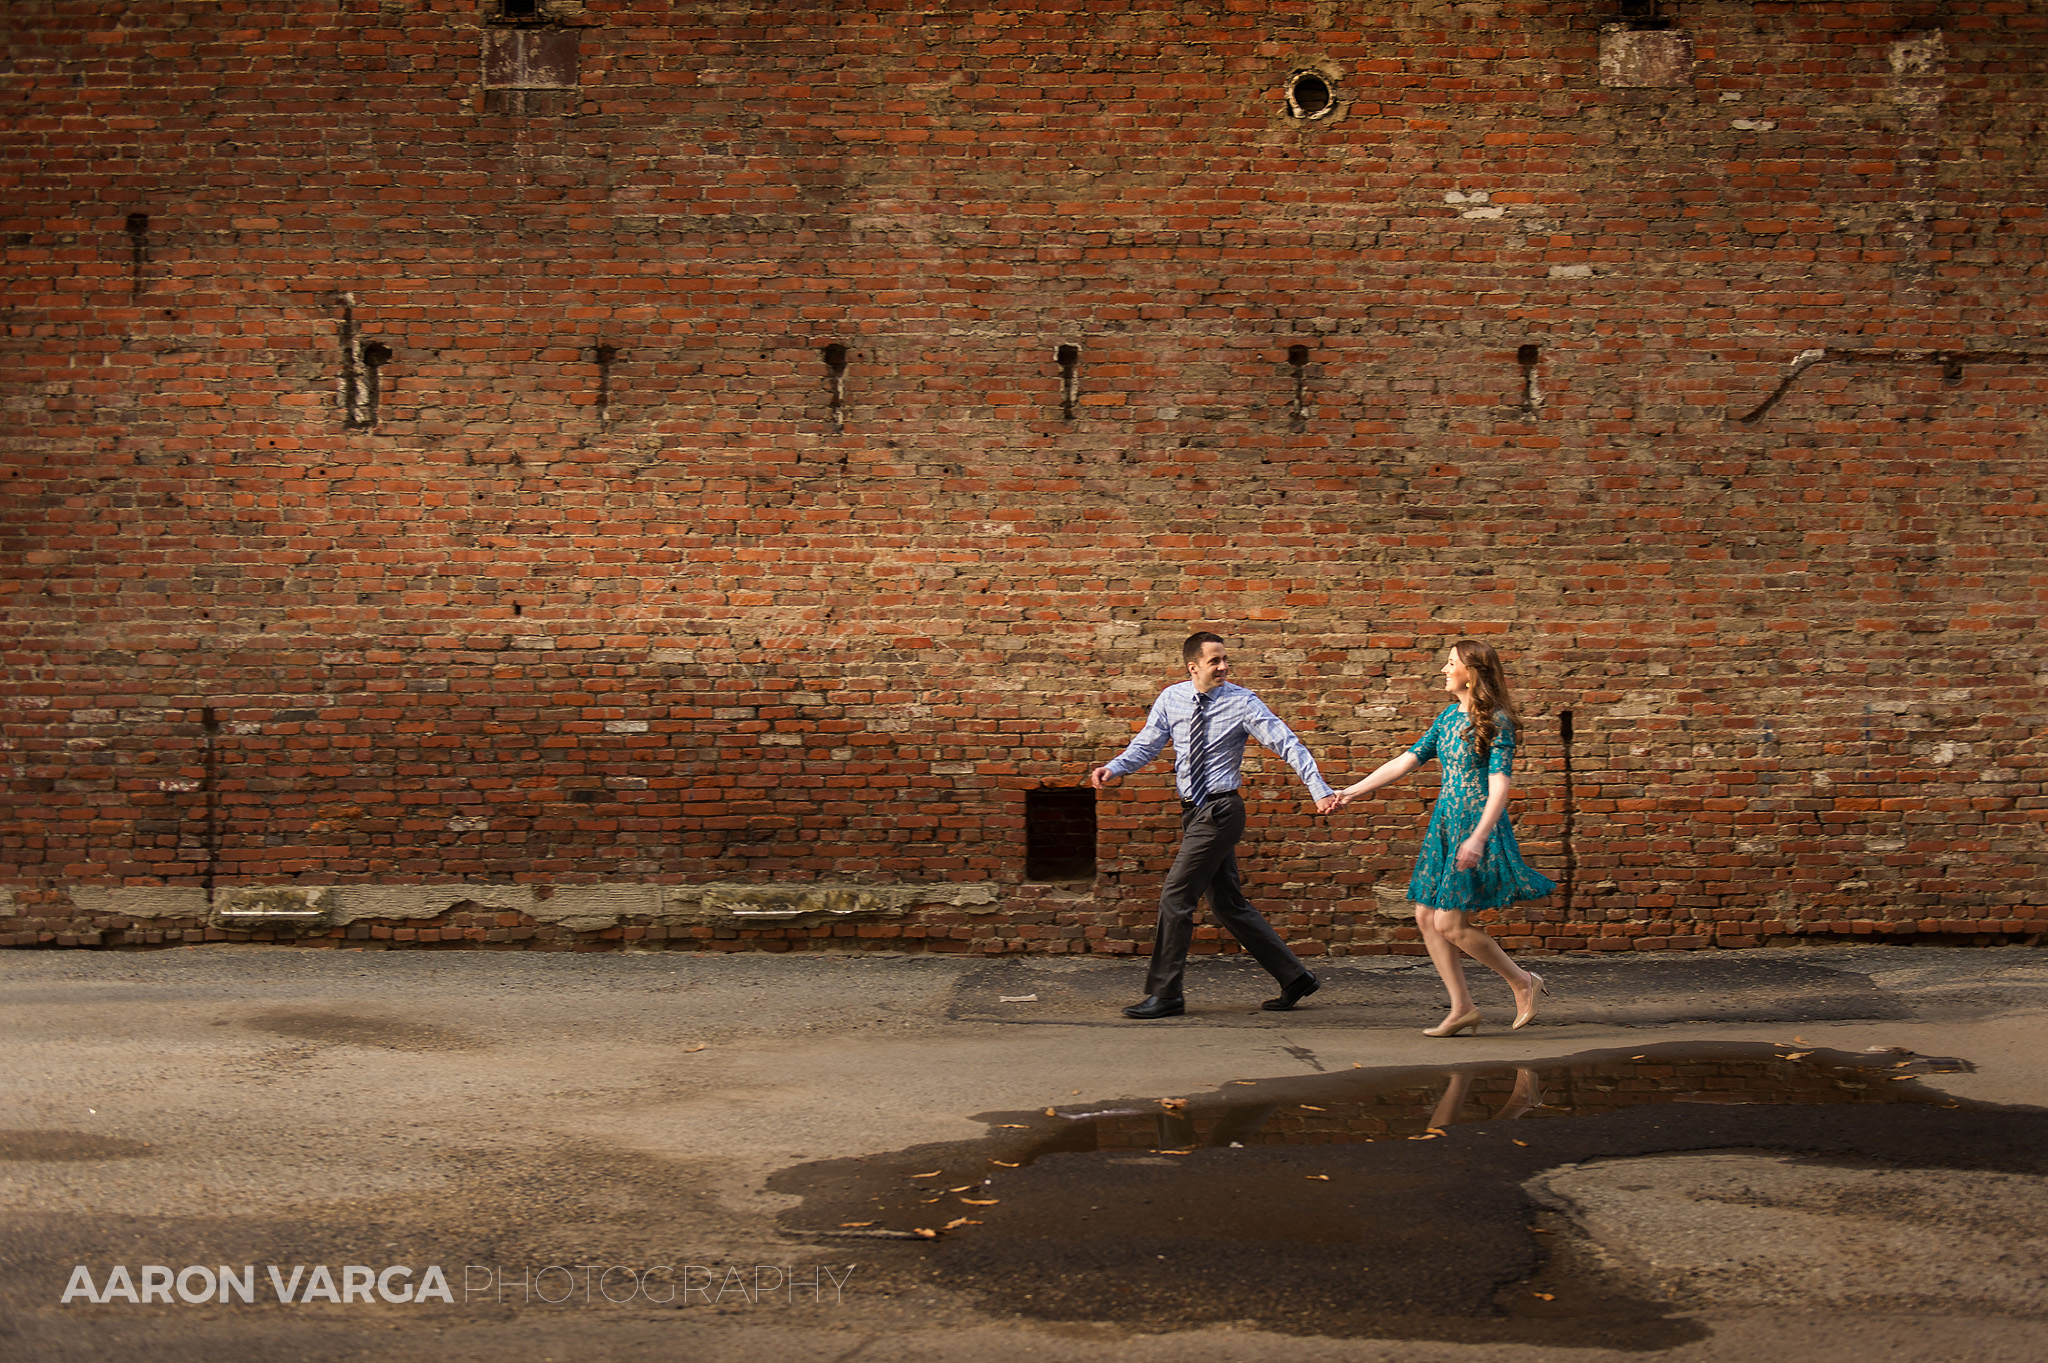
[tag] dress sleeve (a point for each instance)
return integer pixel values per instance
(1425, 746)
(1501, 760)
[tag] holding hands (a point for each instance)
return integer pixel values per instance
(1386, 774)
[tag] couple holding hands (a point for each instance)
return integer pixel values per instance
(1469, 860)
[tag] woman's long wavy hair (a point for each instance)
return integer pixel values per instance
(1491, 703)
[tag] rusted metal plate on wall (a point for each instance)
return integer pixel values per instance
(530, 58)
(1644, 58)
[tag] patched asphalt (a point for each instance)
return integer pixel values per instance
(1680, 988)
(1234, 1184)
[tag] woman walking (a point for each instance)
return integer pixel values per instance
(1469, 860)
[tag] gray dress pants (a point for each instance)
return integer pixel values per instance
(1207, 868)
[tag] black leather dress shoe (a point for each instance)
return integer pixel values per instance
(1290, 994)
(1156, 1007)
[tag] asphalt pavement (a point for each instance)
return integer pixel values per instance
(275, 1153)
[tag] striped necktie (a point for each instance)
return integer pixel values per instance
(1198, 748)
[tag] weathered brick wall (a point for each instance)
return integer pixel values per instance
(450, 495)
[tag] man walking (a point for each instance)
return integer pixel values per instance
(1208, 720)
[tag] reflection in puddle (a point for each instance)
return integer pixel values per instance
(1381, 1202)
(1418, 1105)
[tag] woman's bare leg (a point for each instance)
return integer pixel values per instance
(1453, 1102)
(1461, 935)
(1527, 1095)
(1444, 956)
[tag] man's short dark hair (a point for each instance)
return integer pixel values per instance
(1192, 649)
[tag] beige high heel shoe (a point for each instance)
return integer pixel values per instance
(1528, 1015)
(1453, 1026)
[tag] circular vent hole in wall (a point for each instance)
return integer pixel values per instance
(1309, 95)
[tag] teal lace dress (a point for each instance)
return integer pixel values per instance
(1501, 877)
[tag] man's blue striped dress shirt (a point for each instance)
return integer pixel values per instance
(1235, 716)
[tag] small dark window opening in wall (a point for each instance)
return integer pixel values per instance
(604, 355)
(1069, 358)
(834, 356)
(366, 389)
(1297, 360)
(1526, 356)
(1309, 95)
(1059, 833)
(518, 9)
(1641, 15)
(138, 249)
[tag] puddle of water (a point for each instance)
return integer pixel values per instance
(1383, 1202)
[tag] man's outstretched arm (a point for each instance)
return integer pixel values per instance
(1147, 744)
(1273, 733)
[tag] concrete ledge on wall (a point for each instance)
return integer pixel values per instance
(353, 902)
(577, 908)
(270, 908)
(735, 904)
(588, 908)
(142, 901)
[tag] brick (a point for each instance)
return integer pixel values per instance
(618, 585)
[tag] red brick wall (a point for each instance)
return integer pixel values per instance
(701, 613)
